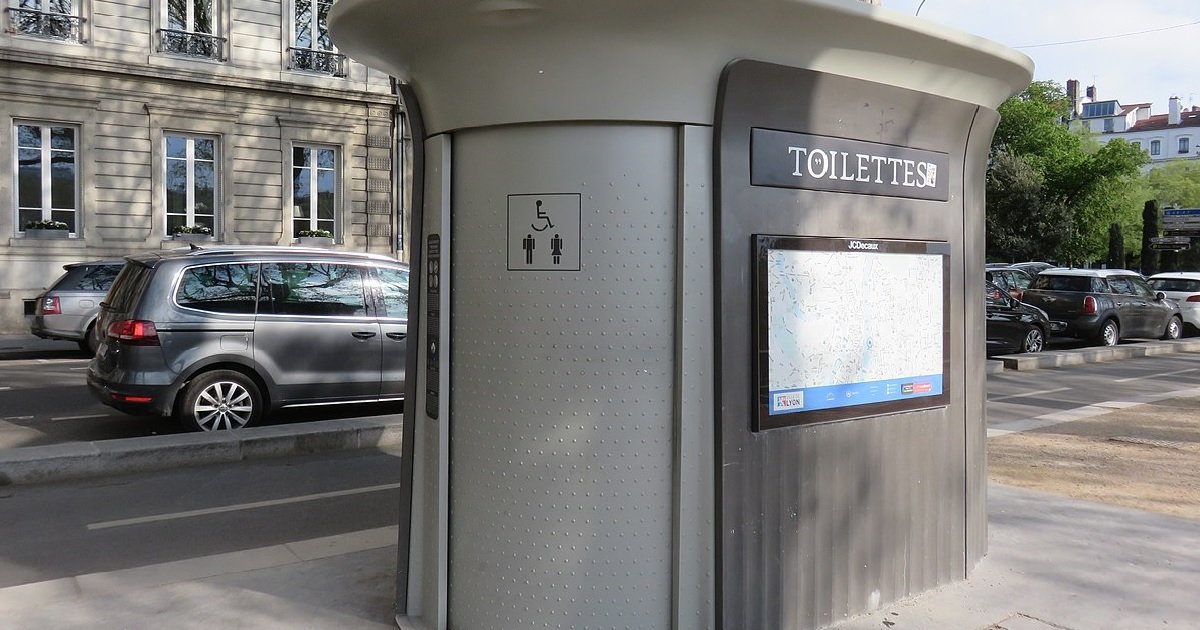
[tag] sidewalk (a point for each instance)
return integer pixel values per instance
(1053, 563)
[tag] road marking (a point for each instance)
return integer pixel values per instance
(166, 573)
(241, 506)
(95, 415)
(4, 389)
(80, 368)
(17, 418)
(1086, 411)
(1160, 375)
(1028, 394)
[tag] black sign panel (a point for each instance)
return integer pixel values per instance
(799, 160)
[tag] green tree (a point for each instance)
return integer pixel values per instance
(1067, 179)
(1176, 184)
(1116, 247)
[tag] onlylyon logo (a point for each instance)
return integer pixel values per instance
(864, 245)
(788, 401)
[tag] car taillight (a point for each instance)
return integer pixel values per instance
(1089, 305)
(50, 306)
(134, 332)
(1194, 298)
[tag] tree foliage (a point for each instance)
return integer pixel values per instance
(1053, 193)
(1176, 184)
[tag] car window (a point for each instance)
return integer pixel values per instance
(88, 278)
(1183, 285)
(1140, 287)
(312, 289)
(230, 288)
(994, 296)
(1021, 280)
(1122, 285)
(394, 285)
(1083, 284)
(128, 287)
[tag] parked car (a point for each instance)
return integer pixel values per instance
(1184, 288)
(1012, 280)
(219, 337)
(1033, 268)
(1105, 305)
(68, 309)
(1012, 325)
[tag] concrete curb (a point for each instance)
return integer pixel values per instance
(1080, 356)
(78, 460)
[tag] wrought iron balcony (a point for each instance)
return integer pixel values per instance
(191, 44)
(58, 26)
(317, 61)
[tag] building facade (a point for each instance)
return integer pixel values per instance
(131, 121)
(1166, 138)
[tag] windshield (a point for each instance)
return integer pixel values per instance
(128, 287)
(1181, 285)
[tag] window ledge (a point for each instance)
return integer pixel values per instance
(69, 243)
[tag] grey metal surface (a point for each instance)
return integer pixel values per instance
(695, 421)
(979, 140)
(824, 521)
(428, 564)
(562, 411)
(480, 64)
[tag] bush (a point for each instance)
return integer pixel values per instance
(46, 225)
(191, 229)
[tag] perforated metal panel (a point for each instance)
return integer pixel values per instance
(561, 385)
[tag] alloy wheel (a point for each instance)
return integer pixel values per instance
(223, 405)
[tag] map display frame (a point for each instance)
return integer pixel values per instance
(849, 328)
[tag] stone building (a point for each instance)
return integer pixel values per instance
(132, 119)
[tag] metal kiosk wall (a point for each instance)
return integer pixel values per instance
(619, 416)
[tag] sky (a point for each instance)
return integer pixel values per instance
(1131, 68)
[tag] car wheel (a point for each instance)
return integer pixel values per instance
(90, 341)
(221, 399)
(1035, 340)
(1110, 333)
(1174, 329)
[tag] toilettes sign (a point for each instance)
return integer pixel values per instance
(798, 160)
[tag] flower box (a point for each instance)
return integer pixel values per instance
(38, 233)
(192, 237)
(315, 241)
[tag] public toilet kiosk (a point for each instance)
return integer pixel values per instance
(698, 304)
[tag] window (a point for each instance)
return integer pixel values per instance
(190, 30)
(219, 288)
(47, 174)
(394, 286)
(1087, 124)
(1108, 125)
(191, 182)
(1155, 147)
(88, 278)
(49, 19)
(1137, 145)
(1184, 143)
(313, 289)
(312, 49)
(314, 189)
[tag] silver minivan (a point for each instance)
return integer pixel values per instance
(218, 337)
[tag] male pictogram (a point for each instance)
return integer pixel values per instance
(528, 244)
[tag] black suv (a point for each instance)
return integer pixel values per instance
(217, 337)
(1106, 305)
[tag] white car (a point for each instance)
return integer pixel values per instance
(1184, 288)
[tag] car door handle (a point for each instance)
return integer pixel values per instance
(363, 334)
(398, 336)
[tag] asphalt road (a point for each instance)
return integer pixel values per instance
(243, 514)
(58, 530)
(45, 400)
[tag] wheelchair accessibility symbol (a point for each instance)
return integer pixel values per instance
(544, 232)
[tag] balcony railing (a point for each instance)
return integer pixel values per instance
(191, 44)
(58, 26)
(317, 61)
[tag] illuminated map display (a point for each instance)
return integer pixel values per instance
(849, 328)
